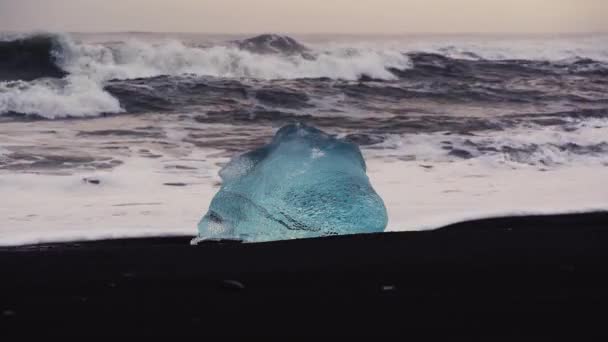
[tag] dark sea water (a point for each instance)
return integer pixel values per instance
(368, 88)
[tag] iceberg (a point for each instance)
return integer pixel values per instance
(304, 184)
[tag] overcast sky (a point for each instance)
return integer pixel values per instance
(306, 16)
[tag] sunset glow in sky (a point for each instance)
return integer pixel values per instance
(307, 16)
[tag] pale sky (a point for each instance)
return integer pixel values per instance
(307, 16)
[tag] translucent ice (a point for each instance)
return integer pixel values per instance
(304, 184)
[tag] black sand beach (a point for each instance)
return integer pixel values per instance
(528, 276)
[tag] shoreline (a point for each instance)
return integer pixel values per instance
(501, 224)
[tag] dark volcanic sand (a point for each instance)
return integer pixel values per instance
(533, 276)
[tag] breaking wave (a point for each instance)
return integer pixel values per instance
(55, 76)
(89, 66)
(74, 96)
(137, 59)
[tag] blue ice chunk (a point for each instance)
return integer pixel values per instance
(304, 184)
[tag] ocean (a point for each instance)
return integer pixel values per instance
(123, 134)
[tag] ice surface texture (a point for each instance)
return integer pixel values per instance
(304, 184)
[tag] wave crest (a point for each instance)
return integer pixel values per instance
(137, 59)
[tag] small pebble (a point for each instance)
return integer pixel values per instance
(389, 288)
(175, 184)
(233, 285)
(91, 181)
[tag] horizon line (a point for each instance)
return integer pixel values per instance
(423, 33)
